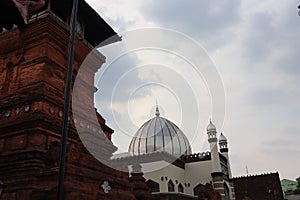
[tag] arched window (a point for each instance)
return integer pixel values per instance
(180, 188)
(171, 187)
(153, 186)
(198, 189)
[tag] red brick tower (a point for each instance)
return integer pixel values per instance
(33, 66)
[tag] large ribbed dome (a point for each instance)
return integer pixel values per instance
(160, 134)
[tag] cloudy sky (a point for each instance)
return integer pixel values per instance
(248, 81)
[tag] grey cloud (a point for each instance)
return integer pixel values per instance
(199, 19)
(258, 41)
(289, 65)
(269, 97)
(270, 33)
(280, 151)
(107, 80)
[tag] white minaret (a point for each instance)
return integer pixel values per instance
(224, 150)
(213, 142)
(217, 175)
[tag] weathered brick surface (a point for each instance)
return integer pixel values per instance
(15, 143)
(209, 193)
(264, 186)
(141, 190)
(32, 80)
(1, 145)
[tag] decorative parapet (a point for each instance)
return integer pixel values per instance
(196, 157)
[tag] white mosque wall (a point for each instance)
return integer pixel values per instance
(199, 172)
(163, 175)
(195, 173)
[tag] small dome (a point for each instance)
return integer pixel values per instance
(222, 138)
(160, 134)
(211, 127)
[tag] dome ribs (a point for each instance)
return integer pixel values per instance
(160, 134)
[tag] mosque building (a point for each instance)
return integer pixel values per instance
(162, 152)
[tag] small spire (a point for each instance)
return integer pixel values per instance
(157, 113)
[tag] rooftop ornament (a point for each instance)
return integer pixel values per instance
(27, 7)
(16, 12)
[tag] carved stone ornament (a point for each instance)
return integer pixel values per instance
(105, 186)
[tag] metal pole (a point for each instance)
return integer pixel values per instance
(62, 163)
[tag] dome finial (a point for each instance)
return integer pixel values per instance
(222, 138)
(211, 126)
(157, 113)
